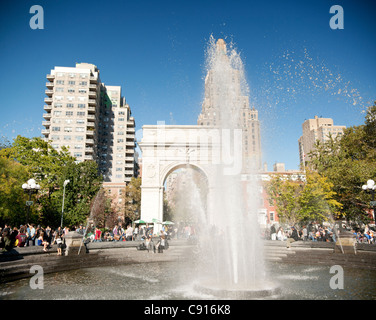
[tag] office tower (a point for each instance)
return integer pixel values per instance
(317, 129)
(93, 120)
(246, 117)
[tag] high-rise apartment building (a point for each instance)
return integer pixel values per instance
(92, 119)
(317, 129)
(247, 118)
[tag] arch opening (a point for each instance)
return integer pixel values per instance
(185, 196)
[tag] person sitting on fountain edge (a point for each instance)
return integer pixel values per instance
(294, 237)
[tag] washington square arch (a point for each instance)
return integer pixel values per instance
(168, 148)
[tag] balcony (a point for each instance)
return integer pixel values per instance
(50, 77)
(90, 133)
(49, 84)
(92, 102)
(131, 130)
(92, 94)
(131, 144)
(91, 109)
(93, 80)
(88, 157)
(90, 117)
(48, 100)
(131, 135)
(47, 116)
(45, 132)
(90, 124)
(90, 141)
(129, 151)
(46, 123)
(47, 107)
(129, 158)
(89, 150)
(49, 92)
(93, 87)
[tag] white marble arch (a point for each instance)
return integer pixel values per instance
(166, 148)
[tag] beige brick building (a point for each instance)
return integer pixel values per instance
(316, 129)
(93, 120)
(247, 118)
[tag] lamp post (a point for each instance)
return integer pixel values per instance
(370, 188)
(30, 187)
(62, 207)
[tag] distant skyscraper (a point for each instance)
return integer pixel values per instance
(316, 129)
(92, 119)
(247, 120)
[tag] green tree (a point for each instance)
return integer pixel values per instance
(12, 197)
(300, 201)
(132, 199)
(84, 184)
(43, 161)
(316, 200)
(285, 192)
(348, 162)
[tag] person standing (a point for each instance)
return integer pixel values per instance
(98, 234)
(32, 235)
(129, 233)
(273, 233)
(21, 237)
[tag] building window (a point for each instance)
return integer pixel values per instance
(70, 105)
(69, 113)
(80, 129)
(68, 129)
(55, 128)
(80, 113)
(82, 105)
(71, 83)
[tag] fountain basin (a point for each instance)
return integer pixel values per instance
(239, 292)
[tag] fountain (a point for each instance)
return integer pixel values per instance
(231, 259)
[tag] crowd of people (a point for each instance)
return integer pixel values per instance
(316, 232)
(365, 235)
(32, 235)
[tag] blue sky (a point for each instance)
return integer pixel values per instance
(296, 65)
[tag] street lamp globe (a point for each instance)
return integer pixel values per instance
(370, 184)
